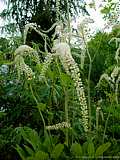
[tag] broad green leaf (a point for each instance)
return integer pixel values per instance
(29, 150)
(57, 151)
(102, 148)
(91, 149)
(40, 155)
(84, 148)
(47, 145)
(76, 150)
(21, 152)
(31, 137)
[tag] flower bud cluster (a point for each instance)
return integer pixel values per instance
(25, 50)
(115, 73)
(57, 9)
(70, 66)
(59, 126)
(46, 64)
(27, 27)
(23, 68)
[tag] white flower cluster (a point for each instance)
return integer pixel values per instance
(64, 53)
(21, 50)
(25, 50)
(83, 29)
(33, 26)
(59, 126)
(23, 68)
(57, 9)
(46, 64)
(117, 55)
(110, 79)
(27, 27)
(107, 78)
(115, 73)
(113, 80)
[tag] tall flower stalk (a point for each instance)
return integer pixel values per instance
(81, 31)
(63, 51)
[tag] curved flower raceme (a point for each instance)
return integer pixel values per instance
(20, 53)
(25, 50)
(23, 68)
(47, 61)
(63, 51)
(58, 126)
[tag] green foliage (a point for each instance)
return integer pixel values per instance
(101, 149)
(36, 148)
(102, 54)
(88, 150)
(57, 151)
(111, 11)
(76, 150)
(91, 149)
(28, 106)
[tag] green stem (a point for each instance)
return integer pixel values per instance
(66, 103)
(116, 89)
(89, 75)
(97, 119)
(89, 101)
(66, 113)
(37, 106)
(106, 123)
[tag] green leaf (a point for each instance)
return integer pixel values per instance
(76, 150)
(65, 79)
(102, 148)
(105, 10)
(84, 148)
(2, 114)
(57, 151)
(47, 145)
(41, 106)
(31, 137)
(40, 155)
(91, 149)
(21, 152)
(29, 150)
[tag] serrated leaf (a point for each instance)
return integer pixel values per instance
(102, 148)
(76, 150)
(57, 151)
